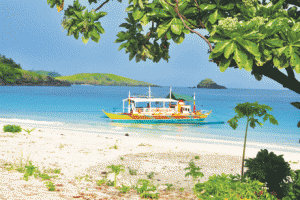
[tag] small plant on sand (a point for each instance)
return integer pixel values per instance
(61, 146)
(146, 188)
(181, 189)
(116, 169)
(114, 147)
(88, 178)
(110, 183)
(197, 157)
(250, 110)
(50, 186)
(169, 186)
(30, 170)
(12, 128)
(100, 182)
(28, 131)
(132, 171)
(150, 175)
(193, 172)
(122, 158)
(124, 189)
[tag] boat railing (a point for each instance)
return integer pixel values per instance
(160, 110)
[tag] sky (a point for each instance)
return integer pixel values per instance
(31, 34)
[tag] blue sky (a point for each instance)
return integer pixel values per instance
(31, 34)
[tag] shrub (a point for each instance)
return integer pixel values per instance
(12, 128)
(292, 190)
(146, 188)
(124, 189)
(268, 168)
(100, 182)
(233, 188)
(132, 171)
(50, 186)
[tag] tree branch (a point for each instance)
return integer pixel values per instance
(177, 11)
(290, 72)
(101, 5)
(272, 72)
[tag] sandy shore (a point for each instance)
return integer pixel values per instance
(84, 152)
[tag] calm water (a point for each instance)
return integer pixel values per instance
(81, 106)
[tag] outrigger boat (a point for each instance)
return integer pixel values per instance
(171, 109)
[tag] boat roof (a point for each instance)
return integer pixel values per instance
(150, 100)
(177, 96)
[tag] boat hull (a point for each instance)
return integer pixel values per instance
(167, 121)
(123, 118)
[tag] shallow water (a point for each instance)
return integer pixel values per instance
(81, 107)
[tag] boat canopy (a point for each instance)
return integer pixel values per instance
(180, 97)
(150, 100)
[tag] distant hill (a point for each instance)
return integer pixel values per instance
(12, 76)
(209, 84)
(46, 73)
(102, 79)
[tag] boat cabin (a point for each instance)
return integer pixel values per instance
(158, 106)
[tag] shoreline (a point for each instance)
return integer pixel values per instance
(80, 152)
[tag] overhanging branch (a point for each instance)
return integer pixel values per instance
(180, 15)
(272, 72)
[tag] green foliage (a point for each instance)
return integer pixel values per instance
(143, 187)
(150, 175)
(124, 189)
(206, 82)
(50, 186)
(102, 79)
(292, 189)
(29, 171)
(233, 188)
(100, 182)
(116, 169)
(197, 157)
(193, 171)
(12, 128)
(46, 73)
(268, 168)
(132, 171)
(28, 131)
(249, 110)
(10, 62)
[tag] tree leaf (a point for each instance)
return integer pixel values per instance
(224, 64)
(220, 46)
(274, 42)
(206, 6)
(135, 2)
(227, 7)
(229, 49)
(213, 17)
(141, 4)
(144, 20)
(162, 29)
(84, 40)
(137, 14)
(242, 59)
(190, 11)
(251, 47)
(99, 27)
(170, 9)
(178, 39)
(99, 15)
(176, 26)
(122, 46)
(78, 14)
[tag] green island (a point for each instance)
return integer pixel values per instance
(102, 79)
(11, 74)
(210, 84)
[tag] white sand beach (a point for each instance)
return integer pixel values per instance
(87, 152)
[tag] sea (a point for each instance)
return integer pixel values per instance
(80, 106)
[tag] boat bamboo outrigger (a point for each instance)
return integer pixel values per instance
(171, 109)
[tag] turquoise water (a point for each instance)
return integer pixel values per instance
(81, 106)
